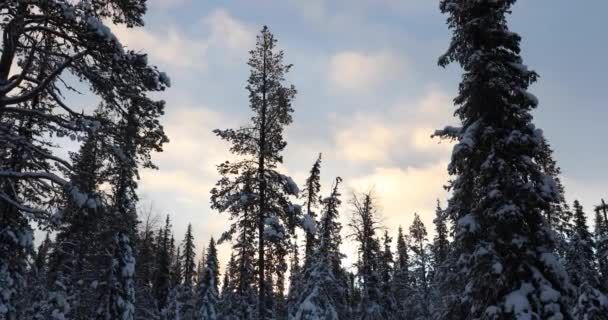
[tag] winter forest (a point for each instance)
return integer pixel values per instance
(78, 241)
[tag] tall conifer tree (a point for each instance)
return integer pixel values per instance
(503, 248)
(260, 146)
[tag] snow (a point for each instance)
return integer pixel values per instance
(548, 186)
(309, 224)
(91, 125)
(467, 140)
(81, 199)
(532, 99)
(164, 79)
(103, 31)
(118, 152)
(290, 186)
(497, 268)
(517, 302)
(468, 223)
(520, 67)
(549, 294)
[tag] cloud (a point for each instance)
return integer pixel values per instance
(189, 159)
(403, 191)
(167, 4)
(352, 70)
(175, 47)
(171, 47)
(400, 133)
(227, 32)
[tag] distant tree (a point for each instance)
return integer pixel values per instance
(310, 193)
(207, 295)
(324, 282)
(601, 240)
(364, 224)
(591, 303)
(421, 263)
(188, 258)
(386, 270)
(401, 284)
(162, 277)
(441, 244)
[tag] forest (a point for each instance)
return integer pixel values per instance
(506, 245)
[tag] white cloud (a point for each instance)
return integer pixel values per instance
(174, 47)
(189, 159)
(227, 32)
(171, 47)
(167, 4)
(403, 191)
(352, 70)
(368, 137)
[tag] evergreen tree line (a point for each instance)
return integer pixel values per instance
(507, 246)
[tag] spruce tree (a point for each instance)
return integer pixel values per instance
(401, 284)
(242, 232)
(207, 295)
(310, 193)
(590, 303)
(386, 270)
(80, 261)
(504, 261)
(441, 244)
(601, 240)
(364, 224)
(145, 306)
(420, 299)
(187, 268)
(188, 257)
(260, 146)
(162, 277)
(324, 282)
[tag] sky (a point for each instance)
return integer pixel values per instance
(370, 94)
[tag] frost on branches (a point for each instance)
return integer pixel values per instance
(503, 248)
(49, 46)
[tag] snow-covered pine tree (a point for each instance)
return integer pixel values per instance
(310, 194)
(259, 147)
(35, 296)
(79, 259)
(440, 249)
(559, 215)
(276, 270)
(601, 240)
(162, 274)
(207, 295)
(75, 47)
(386, 270)
(364, 224)
(188, 274)
(237, 298)
(188, 257)
(324, 283)
(145, 303)
(227, 284)
(441, 243)
(590, 302)
(238, 199)
(295, 282)
(401, 284)
(420, 300)
(504, 262)
(137, 136)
